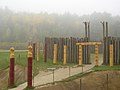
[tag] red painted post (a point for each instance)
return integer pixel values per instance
(29, 80)
(11, 73)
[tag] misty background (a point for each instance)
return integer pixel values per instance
(22, 21)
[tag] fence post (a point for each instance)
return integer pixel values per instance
(38, 51)
(111, 55)
(55, 54)
(107, 81)
(34, 45)
(29, 82)
(65, 54)
(11, 73)
(45, 52)
(80, 54)
(80, 84)
(96, 55)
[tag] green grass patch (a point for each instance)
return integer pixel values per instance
(106, 68)
(20, 59)
(4, 60)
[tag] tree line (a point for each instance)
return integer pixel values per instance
(22, 27)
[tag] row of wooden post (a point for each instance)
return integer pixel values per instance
(12, 61)
(72, 49)
(55, 54)
(115, 42)
(96, 44)
(54, 61)
(80, 54)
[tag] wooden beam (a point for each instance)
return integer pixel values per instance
(89, 43)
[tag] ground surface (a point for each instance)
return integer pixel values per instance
(43, 77)
(20, 76)
(47, 77)
(91, 81)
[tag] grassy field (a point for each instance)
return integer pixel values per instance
(21, 59)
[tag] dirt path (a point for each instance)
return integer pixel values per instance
(59, 74)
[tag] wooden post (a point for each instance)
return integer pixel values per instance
(65, 54)
(104, 44)
(38, 51)
(111, 55)
(107, 81)
(88, 31)
(107, 45)
(34, 50)
(80, 54)
(96, 55)
(29, 80)
(11, 67)
(45, 52)
(103, 24)
(85, 47)
(118, 52)
(55, 54)
(80, 84)
(89, 41)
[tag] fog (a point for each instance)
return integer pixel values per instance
(22, 21)
(79, 7)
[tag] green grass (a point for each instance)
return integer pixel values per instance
(4, 60)
(106, 68)
(21, 59)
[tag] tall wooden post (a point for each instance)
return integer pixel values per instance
(86, 37)
(111, 55)
(96, 55)
(88, 31)
(104, 43)
(80, 54)
(65, 54)
(88, 47)
(45, 52)
(11, 67)
(107, 45)
(104, 32)
(55, 54)
(29, 80)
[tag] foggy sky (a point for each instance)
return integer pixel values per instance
(79, 7)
